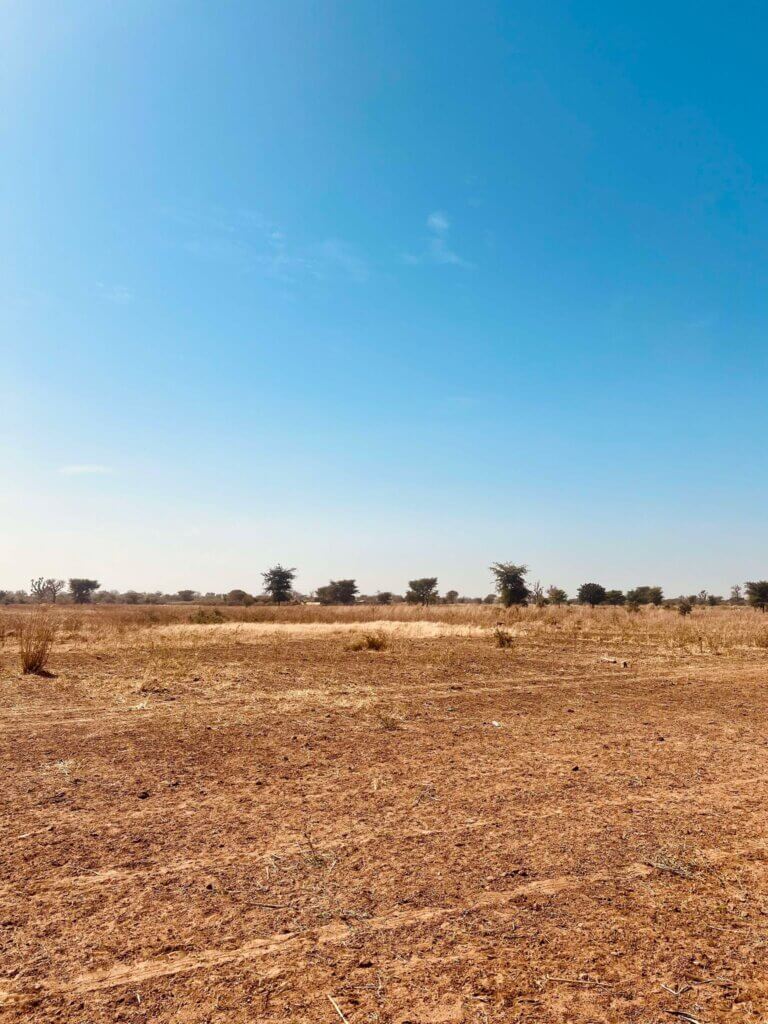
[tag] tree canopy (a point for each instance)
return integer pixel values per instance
(591, 593)
(422, 591)
(757, 594)
(510, 583)
(278, 583)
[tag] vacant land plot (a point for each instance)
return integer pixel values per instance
(281, 819)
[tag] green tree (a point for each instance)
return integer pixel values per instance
(555, 595)
(645, 595)
(591, 593)
(278, 583)
(337, 592)
(384, 597)
(187, 595)
(614, 597)
(82, 590)
(451, 596)
(238, 596)
(684, 606)
(510, 583)
(757, 594)
(423, 591)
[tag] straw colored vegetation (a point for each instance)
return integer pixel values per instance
(383, 814)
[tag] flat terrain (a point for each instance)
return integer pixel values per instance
(236, 822)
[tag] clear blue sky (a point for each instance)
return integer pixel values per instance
(383, 290)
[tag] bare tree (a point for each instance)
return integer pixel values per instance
(46, 590)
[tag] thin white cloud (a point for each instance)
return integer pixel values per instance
(84, 469)
(438, 222)
(249, 242)
(117, 293)
(437, 250)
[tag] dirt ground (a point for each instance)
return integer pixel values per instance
(229, 823)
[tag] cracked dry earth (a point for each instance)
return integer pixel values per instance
(278, 828)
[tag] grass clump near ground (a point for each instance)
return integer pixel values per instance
(36, 634)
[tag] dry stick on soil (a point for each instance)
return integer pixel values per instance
(37, 632)
(578, 981)
(673, 869)
(336, 1007)
(683, 1015)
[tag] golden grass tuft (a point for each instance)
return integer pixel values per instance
(36, 633)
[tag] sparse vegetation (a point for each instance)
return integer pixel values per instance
(36, 633)
(502, 637)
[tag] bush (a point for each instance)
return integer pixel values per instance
(207, 617)
(684, 607)
(369, 642)
(503, 637)
(36, 634)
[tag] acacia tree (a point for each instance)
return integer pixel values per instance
(278, 583)
(46, 590)
(451, 596)
(614, 597)
(591, 593)
(510, 583)
(645, 595)
(337, 592)
(757, 594)
(423, 591)
(82, 590)
(556, 596)
(384, 597)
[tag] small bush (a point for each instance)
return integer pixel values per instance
(503, 637)
(36, 633)
(684, 607)
(207, 617)
(369, 642)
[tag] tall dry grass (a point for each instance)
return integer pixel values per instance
(36, 633)
(706, 630)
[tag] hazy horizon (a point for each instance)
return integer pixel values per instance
(383, 292)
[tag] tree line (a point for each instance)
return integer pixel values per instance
(510, 583)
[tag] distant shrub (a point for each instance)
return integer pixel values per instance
(684, 607)
(36, 633)
(502, 637)
(207, 617)
(369, 642)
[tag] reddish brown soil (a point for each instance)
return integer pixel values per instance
(239, 831)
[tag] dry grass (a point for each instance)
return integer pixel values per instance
(36, 633)
(226, 821)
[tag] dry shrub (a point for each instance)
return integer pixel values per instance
(207, 617)
(36, 633)
(503, 637)
(369, 642)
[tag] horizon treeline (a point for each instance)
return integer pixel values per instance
(509, 581)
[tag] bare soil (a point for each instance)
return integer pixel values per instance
(231, 824)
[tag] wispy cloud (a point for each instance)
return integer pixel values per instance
(117, 293)
(438, 222)
(438, 248)
(84, 469)
(246, 240)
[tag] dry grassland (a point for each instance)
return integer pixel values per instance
(380, 815)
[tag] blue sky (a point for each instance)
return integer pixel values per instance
(383, 291)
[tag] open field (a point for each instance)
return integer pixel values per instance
(256, 821)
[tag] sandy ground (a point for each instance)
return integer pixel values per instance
(235, 823)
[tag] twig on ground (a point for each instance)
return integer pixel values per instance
(336, 1007)
(578, 981)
